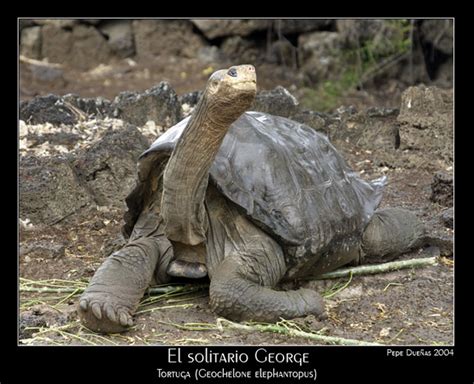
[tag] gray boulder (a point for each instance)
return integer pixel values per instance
(426, 122)
(82, 47)
(319, 53)
(159, 104)
(31, 42)
(447, 217)
(439, 33)
(59, 23)
(219, 28)
(426, 107)
(316, 120)
(92, 107)
(47, 109)
(49, 190)
(56, 44)
(242, 49)
(278, 102)
(107, 168)
(442, 189)
(165, 38)
(68, 109)
(120, 37)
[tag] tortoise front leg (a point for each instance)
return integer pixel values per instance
(114, 292)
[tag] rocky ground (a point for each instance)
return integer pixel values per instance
(78, 157)
(77, 164)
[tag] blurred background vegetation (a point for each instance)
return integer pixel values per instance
(325, 63)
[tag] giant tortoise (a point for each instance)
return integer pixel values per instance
(250, 199)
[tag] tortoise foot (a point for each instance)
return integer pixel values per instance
(104, 313)
(113, 295)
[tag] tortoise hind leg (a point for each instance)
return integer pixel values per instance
(235, 294)
(245, 264)
(390, 233)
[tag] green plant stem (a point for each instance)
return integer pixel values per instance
(377, 268)
(275, 328)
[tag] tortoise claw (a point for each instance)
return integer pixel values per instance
(83, 304)
(96, 311)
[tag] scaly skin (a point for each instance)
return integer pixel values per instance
(391, 232)
(234, 295)
(113, 295)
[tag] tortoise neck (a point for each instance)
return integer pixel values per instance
(186, 175)
(216, 115)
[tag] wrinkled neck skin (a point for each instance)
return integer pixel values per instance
(187, 172)
(209, 120)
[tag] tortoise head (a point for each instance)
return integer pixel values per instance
(233, 88)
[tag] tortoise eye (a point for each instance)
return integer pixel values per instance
(232, 72)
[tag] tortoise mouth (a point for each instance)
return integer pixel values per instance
(254, 81)
(246, 85)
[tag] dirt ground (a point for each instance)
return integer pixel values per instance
(410, 306)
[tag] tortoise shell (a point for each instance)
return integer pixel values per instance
(288, 178)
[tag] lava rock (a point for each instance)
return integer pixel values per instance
(120, 37)
(381, 112)
(219, 28)
(210, 54)
(315, 120)
(439, 34)
(188, 101)
(67, 139)
(92, 107)
(447, 217)
(278, 101)
(47, 109)
(49, 190)
(108, 167)
(426, 107)
(68, 109)
(319, 53)
(39, 316)
(31, 42)
(159, 104)
(166, 38)
(426, 122)
(82, 47)
(442, 189)
(242, 49)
